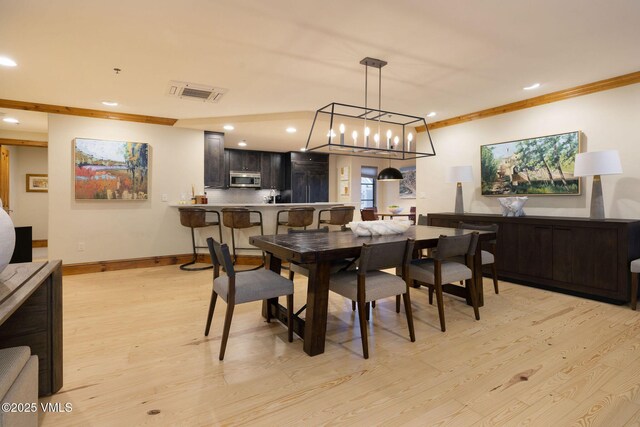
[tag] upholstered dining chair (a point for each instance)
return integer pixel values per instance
(488, 257)
(635, 271)
(368, 283)
(246, 286)
(368, 214)
(442, 269)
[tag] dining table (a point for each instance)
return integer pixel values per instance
(317, 251)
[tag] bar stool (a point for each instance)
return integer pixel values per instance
(338, 215)
(240, 218)
(296, 217)
(197, 218)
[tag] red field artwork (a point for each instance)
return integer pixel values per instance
(111, 170)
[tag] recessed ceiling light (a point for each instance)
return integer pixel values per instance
(110, 103)
(431, 114)
(533, 86)
(228, 127)
(242, 144)
(303, 149)
(291, 130)
(11, 120)
(7, 62)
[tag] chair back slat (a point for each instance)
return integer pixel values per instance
(220, 256)
(451, 246)
(385, 255)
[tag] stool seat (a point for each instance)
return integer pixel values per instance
(338, 215)
(197, 218)
(296, 217)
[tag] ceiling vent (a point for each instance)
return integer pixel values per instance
(195, 92)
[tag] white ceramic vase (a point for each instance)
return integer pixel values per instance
(7, 238)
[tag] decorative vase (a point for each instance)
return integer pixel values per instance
(7, 238)
(512, 206)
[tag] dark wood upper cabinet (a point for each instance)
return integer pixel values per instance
(576, 255)
(272, 171)
(306, 178)
(214, 164)
(244, 160)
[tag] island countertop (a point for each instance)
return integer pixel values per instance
(259, 205)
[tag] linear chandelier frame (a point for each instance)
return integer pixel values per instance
(372, 116)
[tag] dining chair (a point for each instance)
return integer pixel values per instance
(441, 269)
(368, 283)
(369, 214)
(412, 217)
(488, 257)
(423, 220)
(245, 286)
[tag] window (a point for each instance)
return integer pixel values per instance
(368, 176)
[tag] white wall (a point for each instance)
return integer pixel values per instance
(121, 229)
(29, 208)
(608, 120)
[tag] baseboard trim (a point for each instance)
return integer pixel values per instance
(157, 261)
(39, 243)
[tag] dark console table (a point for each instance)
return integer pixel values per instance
(580, 256)
(31, 315)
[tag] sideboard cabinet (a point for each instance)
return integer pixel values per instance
(576, 255)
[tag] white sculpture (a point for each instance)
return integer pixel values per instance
(512, 206)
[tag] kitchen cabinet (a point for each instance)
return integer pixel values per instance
(574, 255)
(272, 171)
(244, 160)
(306, 178)
(214, 163)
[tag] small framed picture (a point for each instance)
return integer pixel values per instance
(37, 183)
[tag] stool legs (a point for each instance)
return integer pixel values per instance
(195, 256)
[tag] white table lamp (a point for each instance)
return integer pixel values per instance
(459, 174)
(596, 163)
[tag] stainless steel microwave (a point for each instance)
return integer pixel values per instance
(244, 179)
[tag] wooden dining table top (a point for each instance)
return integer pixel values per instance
(308, 248)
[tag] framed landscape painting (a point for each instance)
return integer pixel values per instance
(533, 167)
(110, 170)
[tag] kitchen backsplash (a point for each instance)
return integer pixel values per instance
(238, 195)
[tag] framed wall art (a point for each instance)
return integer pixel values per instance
(37, 183)
(534, 167)
(110, 170)
(408, 183)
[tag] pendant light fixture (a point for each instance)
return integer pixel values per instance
(351, 130)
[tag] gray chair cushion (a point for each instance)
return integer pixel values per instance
(254, 286)
(635, 266)
(12, 360)
(378, 285)
(423, 270)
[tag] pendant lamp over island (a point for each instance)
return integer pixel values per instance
(351, 130)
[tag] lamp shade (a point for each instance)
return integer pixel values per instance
(597, 163)
(460, 174)
(390, 174)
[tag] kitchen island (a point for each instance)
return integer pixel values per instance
(269, 213)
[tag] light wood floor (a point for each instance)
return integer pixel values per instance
(133, 343)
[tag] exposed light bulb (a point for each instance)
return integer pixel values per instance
(410, 137)
(354, 135)
(396, 140)
(389, 133)
(342, 127)
(367, 131)
(431, 114)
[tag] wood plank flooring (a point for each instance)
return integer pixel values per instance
(135, 354)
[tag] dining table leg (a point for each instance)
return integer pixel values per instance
(315, 328)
